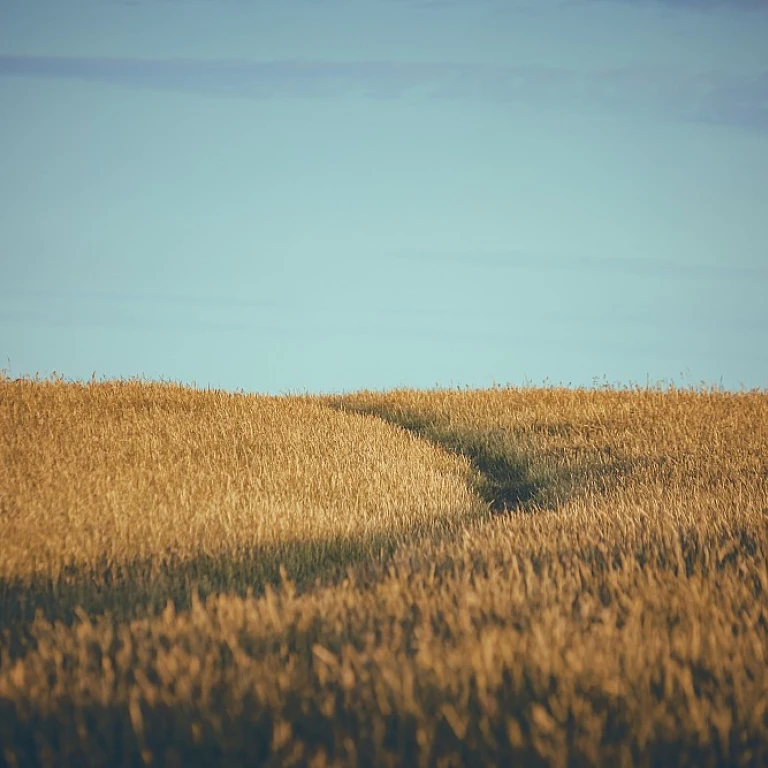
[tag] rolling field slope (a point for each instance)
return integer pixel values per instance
(535, 576)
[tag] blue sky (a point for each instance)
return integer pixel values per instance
(325, 196)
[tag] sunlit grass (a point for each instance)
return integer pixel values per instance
(535, 576)
(103, 475)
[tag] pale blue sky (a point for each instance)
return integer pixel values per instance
(326, 196)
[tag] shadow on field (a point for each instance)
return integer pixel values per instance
(143, 587)
(513, 476)
(510, 480)
(356, 733)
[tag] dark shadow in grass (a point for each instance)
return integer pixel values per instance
(509, 480)
(91, 734)
(143, 587)
(509, 477)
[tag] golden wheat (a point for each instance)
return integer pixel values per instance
(610, 606)
(102, 474)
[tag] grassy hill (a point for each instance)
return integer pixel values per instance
(536, 576)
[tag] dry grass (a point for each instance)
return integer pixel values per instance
(610, 605)
(124, 480)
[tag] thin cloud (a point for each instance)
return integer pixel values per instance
(698, 5)
(545, 6)
(192, 301)
(713, 96)
(528, 7)
(651, 266)
(742, 101)
(237, 76)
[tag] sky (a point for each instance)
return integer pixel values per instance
(329, 195)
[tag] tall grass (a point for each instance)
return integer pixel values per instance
(156, 487)
(545, 576)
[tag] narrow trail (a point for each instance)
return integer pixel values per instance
(509, 479)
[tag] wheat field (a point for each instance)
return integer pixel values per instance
(514, 576)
